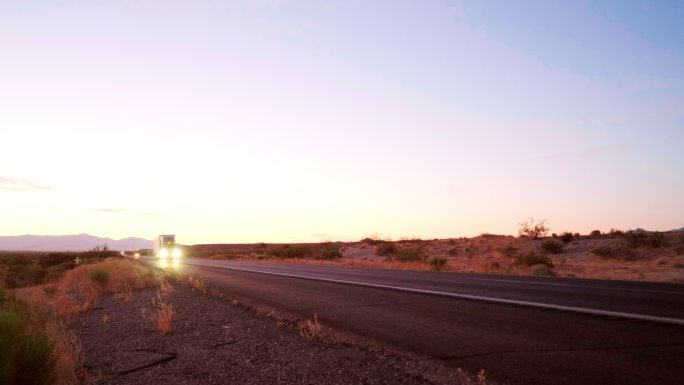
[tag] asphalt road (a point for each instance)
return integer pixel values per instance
(521, 330)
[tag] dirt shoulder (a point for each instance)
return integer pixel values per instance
(214, 341)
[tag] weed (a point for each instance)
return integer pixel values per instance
(437, 263)
(310, 328)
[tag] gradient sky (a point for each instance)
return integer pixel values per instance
(277, 120)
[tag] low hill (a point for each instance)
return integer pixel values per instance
(69, 242)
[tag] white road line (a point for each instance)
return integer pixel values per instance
(572, 285)
(609, 313)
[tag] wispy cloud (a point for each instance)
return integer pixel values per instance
(121, 210)
(15, 184)
(109, 210)
(321, 236)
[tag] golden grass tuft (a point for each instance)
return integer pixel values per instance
(310, 328)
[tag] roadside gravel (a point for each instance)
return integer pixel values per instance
(214, 341)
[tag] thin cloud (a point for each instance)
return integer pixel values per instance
(15, 184)
(109, 210)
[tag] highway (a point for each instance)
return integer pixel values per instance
(521, 330)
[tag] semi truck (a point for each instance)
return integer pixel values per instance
(165, 247)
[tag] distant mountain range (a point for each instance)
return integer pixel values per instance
(69, 243)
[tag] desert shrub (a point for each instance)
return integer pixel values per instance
(20, 259)
(261, 245)
(615, 233)
(331, 253)
(566, 237)
(533, 229)
(542, 271)
(607, 252)
(290, 251)
(552, 247)
(55, 259)
(386, 248)
(595, 233)
(509, 251)
(654, 240)
(408, 255)
(99, 276)
(3, 295)
(453, 251)
(25, 357)
(437, 263)
(24, 275)
(531, 259)
(55, 272)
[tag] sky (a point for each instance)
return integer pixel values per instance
(302, 121)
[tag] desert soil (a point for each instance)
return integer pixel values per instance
(214, 341)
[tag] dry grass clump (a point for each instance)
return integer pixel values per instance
(162, 313)
(310, 328)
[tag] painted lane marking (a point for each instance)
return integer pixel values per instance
(574, 309)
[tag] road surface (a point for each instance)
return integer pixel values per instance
(521, 330)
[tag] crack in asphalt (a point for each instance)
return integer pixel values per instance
(598, 348)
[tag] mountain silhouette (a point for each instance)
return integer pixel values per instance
(69, 243)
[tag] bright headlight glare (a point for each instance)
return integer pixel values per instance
(163, 253)
(176, 253)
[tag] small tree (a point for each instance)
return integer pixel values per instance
(533, 229)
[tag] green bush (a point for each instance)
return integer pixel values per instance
(25, 358)
(437, 263)
(552, 247)
(532, 259)
(654, 240)
(99, 276)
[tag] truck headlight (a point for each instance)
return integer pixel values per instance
(176, 253)
(163, 253)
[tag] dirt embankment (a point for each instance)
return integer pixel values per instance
(214, 341)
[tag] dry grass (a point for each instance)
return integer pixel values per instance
(50, 306)
(310, 328)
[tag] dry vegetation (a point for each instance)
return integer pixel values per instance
(634, 255)
(36, 346)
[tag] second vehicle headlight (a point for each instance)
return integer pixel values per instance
(176, 253)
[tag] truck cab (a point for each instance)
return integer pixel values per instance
(165, 247)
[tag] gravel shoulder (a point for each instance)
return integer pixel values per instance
(214, 341)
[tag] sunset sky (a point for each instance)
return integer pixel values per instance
(277, 120)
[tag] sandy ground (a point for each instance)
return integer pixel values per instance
(214, 341)
(485, 254)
